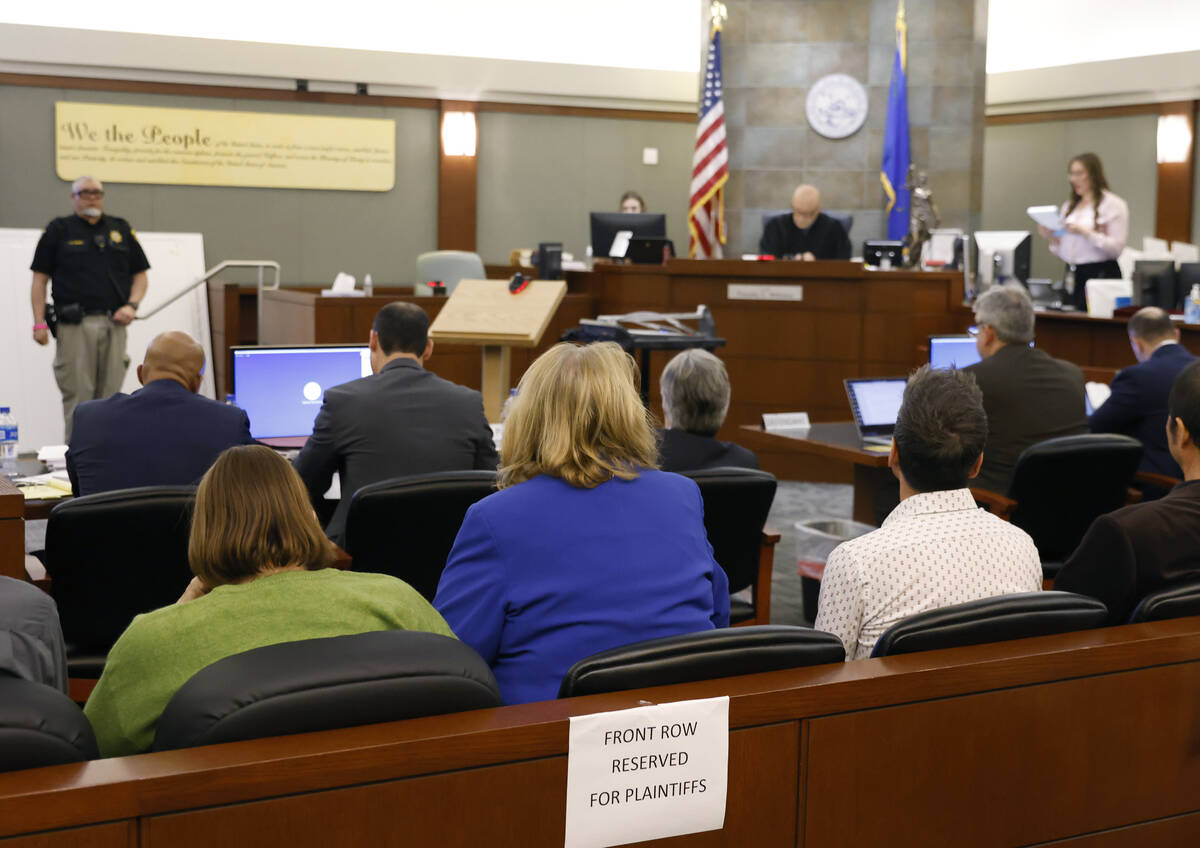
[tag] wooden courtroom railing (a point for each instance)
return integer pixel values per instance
(12, 530)
(1088, 737)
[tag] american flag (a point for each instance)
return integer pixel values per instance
(710, 162)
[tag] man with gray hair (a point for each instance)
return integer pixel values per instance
(695, 398)
(99, 276)
(937, 548)
(1028, 395)
(1138, 404)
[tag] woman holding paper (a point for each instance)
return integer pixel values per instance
(1095, 223)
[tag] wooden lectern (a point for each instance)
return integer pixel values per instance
(485, 313)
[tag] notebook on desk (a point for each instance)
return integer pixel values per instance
(282, 388)
(875, 404)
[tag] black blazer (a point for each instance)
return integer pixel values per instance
(1136, 550)
(161, 435)
(1028, 397)
(402, 421)
(1138, 406)
(680, 450)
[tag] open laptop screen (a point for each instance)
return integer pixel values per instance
(875, 403)
(956, 351)
(282, 388)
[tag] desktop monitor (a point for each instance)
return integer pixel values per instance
(952, 351)
(606, 226)
(1186, 276)
(282, 388)
(1155, 284)
(1001, 255)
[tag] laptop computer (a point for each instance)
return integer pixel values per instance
(957, 351)
(650, 251)
(875, 403)
(282, 387)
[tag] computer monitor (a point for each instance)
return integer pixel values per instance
(874, 253)
(952, 351)
(875, 403)
(282, 388)
(606, 226)
(1155, 284)
(1000, 256)
(1186, 276)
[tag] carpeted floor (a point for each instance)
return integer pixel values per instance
(799, 502)
(793, 502)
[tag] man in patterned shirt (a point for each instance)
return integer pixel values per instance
(937, 548)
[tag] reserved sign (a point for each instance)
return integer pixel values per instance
(647, 773)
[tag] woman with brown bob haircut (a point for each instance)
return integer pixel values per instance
(262, 577)
(587, 546)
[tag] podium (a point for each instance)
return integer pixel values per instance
(487, 314)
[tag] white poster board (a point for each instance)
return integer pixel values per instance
(27, 369)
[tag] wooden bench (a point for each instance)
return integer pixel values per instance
(1056, 738)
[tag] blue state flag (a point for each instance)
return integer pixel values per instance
(894, 169)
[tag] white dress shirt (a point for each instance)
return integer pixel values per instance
(934, 550)
(1103, 239)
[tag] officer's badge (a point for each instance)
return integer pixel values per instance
(116, 237)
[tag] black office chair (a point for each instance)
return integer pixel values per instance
(998, 619)
(406, 526)
(40, 726)
(707, 655)
(736, 503)
(1060, 486)
(1177, 601)
(324, 684)
(111, 556)
(846, 219)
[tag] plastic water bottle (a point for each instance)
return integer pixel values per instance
(1191, 309)
(8, 442)
(508, 404)
(368, 286)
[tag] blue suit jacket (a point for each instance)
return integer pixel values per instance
(160, 435)
(1138, 406)
(543, 574)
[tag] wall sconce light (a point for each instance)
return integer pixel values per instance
(458, 133)
(1174, 138)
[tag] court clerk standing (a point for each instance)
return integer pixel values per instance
(1096, 224)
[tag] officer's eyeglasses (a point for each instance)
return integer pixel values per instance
(90, 192)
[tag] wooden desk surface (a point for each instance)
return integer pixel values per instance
(835, 439)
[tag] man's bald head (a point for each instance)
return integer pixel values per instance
(806, 205)
(1149, 329)
(173, 356)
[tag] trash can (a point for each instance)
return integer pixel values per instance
(815, 540)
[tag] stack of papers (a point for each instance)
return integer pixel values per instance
(55, 457)
(1046, 216)
(45, 487)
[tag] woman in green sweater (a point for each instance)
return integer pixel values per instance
(262, 577)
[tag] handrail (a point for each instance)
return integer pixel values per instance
(260, 264)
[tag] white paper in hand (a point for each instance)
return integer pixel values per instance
(1046, 216)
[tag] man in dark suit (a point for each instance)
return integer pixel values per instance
(695, 398)
(162, 434)
(401, 420)
(1028, 396)
(806, 232)
(1138, 404)
(1136, 550)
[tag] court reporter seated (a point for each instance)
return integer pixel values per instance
(262, 577)
(587, 546)
(937, 548)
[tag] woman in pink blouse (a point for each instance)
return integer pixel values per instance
(1096, 223)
